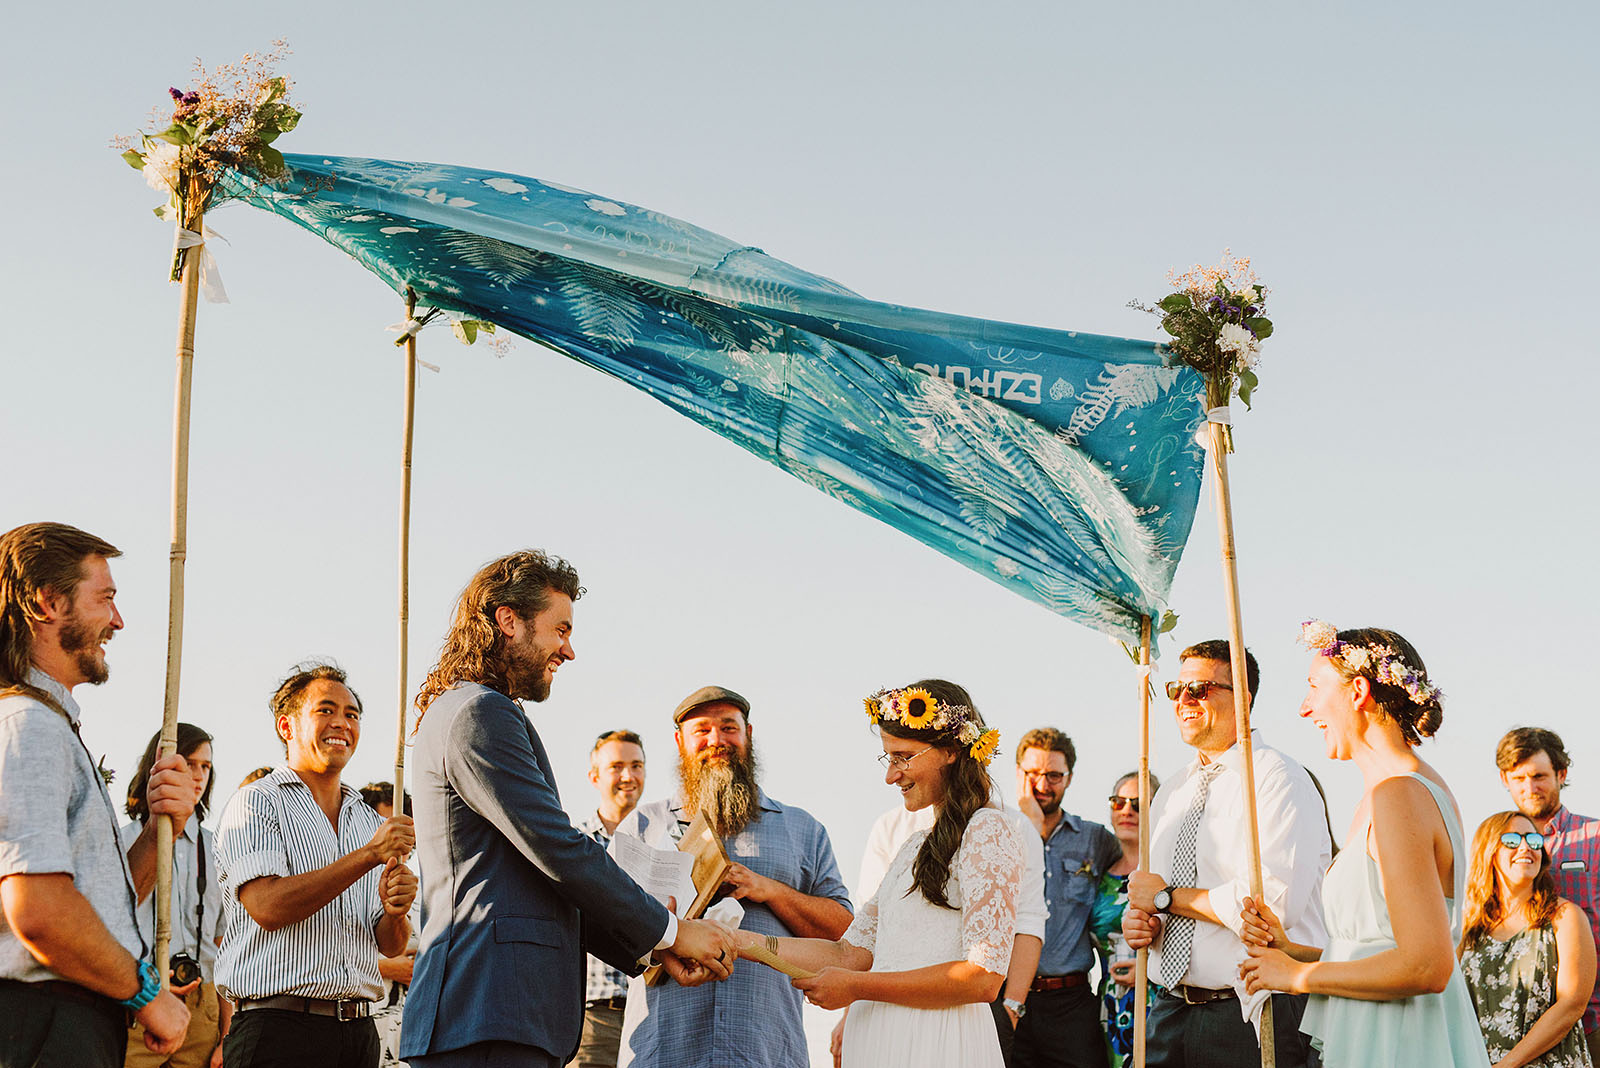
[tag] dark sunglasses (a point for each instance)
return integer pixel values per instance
(1197, 689)
(1512, 840)
(1118, 802)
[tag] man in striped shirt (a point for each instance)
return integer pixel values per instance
(315, 891)
(1533, 766)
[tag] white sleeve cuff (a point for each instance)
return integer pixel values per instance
(670, 935)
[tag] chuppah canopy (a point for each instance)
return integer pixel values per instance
(1061, 465)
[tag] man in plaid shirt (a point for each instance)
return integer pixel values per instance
(616, 768)
(1533, 766)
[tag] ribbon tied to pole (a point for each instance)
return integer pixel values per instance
(210, 276)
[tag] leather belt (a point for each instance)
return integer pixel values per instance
(1200, 995)
(352, 1009)
(616, 1004)
(1042, 983)
(82, 995)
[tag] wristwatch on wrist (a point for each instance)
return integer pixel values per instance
(1020, 1008)
(149, 987)
(1163, 899)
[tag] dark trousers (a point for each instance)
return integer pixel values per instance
(488, 1055)
(282, 1038)
(1061, 1029)
(1002, 1027)
(1214, 1035)
(39, 1029)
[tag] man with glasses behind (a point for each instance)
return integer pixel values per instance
(1059, 1023)
(1200, 874)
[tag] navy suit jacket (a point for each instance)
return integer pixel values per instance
(503, 875)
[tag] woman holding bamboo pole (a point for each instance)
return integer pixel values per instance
(929, 952)
(1387, 991)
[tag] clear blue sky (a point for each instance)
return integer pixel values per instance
(1416, 184)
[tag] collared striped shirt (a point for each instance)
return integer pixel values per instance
(1574, 845)
(193, 933)
(604, 981)
(274, 827)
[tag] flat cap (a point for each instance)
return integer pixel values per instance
(706, 695)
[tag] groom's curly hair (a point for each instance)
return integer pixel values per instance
(967, 788)
(474, 650)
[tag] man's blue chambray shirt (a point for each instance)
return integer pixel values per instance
(1076, 854)
(752, 1020)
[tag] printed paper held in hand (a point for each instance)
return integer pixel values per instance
(662, 873)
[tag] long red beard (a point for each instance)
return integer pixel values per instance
(724, 790)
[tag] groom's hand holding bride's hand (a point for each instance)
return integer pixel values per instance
(706, 944)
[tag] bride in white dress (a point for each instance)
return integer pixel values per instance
(929, 952)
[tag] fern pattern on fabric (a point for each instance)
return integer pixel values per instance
(1060, 464)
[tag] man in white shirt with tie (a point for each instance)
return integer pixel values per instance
(1189, 902)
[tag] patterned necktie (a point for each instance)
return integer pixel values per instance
(1177, 943)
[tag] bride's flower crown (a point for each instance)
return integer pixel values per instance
(916, 708)
(1383, 661)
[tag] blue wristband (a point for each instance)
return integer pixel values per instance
(149, 987)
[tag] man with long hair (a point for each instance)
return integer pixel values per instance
(783, 874)
(1533, 765)
(72, 959)
(515, 892)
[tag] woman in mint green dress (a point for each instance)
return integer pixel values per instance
(1386, 992)
(1527, 953)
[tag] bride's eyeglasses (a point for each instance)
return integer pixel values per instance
(899, 761)
(1513, 840)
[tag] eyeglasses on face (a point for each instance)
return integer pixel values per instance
(1054, 778)
(1512, 840)
(1198, 689)
(1118, 802)
(900, 761)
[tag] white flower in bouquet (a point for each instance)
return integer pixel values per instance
(1235, 339)
(161, 165)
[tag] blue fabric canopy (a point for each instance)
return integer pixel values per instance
(1061, 465)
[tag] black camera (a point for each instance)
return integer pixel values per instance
(185, 969)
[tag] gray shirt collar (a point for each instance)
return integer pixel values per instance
(58, 692)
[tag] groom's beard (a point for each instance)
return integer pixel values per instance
(720, 783)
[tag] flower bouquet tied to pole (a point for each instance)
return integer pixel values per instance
(1217, 323)
(228, 117)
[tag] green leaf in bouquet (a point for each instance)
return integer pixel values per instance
(1247, 382)
(177, 134)
(1175, 302)
(1261, 327)
(271, 90)
(269, 161)
(1169, 622)
(133, 159)
(465, 330)
(286, 118)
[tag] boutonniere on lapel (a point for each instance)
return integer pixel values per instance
(106, 774)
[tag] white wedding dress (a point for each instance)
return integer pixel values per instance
(905, 932)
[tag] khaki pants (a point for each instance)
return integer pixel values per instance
(602, 1038)
(198, 1044)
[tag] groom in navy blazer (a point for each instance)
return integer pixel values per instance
(514, 896)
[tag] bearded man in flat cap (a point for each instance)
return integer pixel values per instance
(783, 874)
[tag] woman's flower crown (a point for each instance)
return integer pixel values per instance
(916, 708)
(1384, 661)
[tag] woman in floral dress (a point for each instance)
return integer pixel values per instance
(1105, 923)
(1527, 954)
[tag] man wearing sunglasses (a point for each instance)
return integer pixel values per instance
(1058, 1024)
(1188, 904)
(1533, 766)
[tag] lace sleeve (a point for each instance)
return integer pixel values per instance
(989, 868)
(863, 930)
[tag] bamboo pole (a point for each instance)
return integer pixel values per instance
(166, 832)
(398, 801)
(1220, 443)
(1141, 961)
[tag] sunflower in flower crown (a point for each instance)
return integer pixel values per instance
(874, 710)
(918, 709)
(983, 749)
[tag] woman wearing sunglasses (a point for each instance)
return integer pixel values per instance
(1386, 992)
(1105, 922)
(1527, 954)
